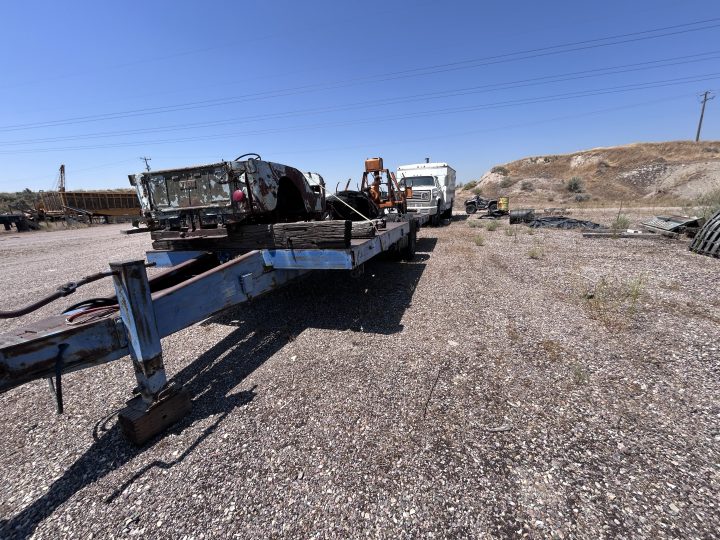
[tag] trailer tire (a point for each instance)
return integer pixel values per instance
(436, 219)
(407, 253)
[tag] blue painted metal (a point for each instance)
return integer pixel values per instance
(136, 309)
(309, 259)
(224, 286)
(30, 353)
(165, 259)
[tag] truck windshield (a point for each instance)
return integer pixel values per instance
(420, 181)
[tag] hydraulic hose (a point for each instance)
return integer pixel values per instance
(62, 291)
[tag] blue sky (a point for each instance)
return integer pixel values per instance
(323, 85)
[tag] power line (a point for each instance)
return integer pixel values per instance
(537, 81)
(396, 142)
(386, 118)
(643, 103)
(617, 39)
(706, 97)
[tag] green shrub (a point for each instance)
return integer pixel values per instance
(500, 170)
(581, 376)
(471, 185)
(709, 203)
(477, 191)
(527, 185)
(479, 240)
(575, 185)
(621, 223)
(535, 253)
(492, 225)
(507, 182)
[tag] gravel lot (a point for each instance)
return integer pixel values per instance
(539, 385)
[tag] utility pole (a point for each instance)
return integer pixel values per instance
(147, 165)
(705, 98)
(61, 180)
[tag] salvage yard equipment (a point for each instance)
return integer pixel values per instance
(495, 207)
(89, 204)
(380, 196)
(707, 240)
(243, 191)
(383, 188)
(19, 219)
(144, 310)
(674, 226)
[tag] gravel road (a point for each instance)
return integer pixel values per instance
(505, 384)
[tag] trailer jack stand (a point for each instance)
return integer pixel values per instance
(140, 422)
(156, 404)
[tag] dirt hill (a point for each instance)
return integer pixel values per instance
(677, 172)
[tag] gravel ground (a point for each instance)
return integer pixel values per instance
(539, 385)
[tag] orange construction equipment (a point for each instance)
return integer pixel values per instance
(382, 187)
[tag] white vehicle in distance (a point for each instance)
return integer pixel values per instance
(433, 189)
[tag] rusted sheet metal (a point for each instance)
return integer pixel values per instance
(32, 353)
(229, 192)
(670, 225)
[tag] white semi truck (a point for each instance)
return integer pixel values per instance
(433, 189)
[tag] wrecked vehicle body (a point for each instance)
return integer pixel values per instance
(229, 192)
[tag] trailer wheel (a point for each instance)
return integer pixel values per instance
(436, 220)
(408, 252)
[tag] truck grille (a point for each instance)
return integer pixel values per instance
(420, 196)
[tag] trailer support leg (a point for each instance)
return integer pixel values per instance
(157, 406)
(136, 309)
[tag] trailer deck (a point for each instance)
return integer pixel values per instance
(143, 311)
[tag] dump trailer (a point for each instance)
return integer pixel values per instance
(119, 203)
(197, 284)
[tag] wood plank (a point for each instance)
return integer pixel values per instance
(302, 235)
(367, 229)
(313, 234)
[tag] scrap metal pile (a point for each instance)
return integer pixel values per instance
(238, 206)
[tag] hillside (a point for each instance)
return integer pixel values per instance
(679, 171)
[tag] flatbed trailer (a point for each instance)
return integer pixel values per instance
(143, 311)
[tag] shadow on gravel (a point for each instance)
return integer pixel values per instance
(425, 245)
(374, 302)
